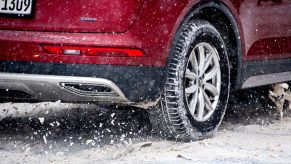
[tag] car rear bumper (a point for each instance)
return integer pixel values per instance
(29, 46)
(65, 88)
(82, 82)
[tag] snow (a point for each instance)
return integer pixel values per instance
(41, 120)
(44, 139)
(68, 133)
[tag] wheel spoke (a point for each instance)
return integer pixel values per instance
(193, 103)
(190, 75)
(211, 88)
(191, 89)
(202, 81)
(201, 59)
(201, 105)
(207, 61)
(208, 104)
(194, 62)
(211, 73)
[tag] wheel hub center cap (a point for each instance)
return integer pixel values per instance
(200, 82)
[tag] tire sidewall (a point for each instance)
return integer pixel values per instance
(193, 35)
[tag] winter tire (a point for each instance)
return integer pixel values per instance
(197, 86)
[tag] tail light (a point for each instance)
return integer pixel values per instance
(93, 51)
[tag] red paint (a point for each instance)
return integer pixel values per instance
(59, 15)
(266, 28)
(38, 54)
(149, 26)
(277, 47)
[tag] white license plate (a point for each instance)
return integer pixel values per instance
(18, 8)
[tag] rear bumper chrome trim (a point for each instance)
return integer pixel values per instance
(51, 87)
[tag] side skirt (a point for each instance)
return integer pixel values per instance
(258, 73)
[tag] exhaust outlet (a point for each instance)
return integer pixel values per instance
(87, 89)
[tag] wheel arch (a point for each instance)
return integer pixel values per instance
(221, 17)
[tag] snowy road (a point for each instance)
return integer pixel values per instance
(65, 133)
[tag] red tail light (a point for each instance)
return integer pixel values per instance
(53, 50)
(93, 51)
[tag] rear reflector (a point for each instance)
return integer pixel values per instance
(72, 52)
(93, 51)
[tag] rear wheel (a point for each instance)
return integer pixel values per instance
(196, 92)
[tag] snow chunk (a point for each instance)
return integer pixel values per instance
(41, 120)
(44, 139)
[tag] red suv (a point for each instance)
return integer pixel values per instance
(178, 58)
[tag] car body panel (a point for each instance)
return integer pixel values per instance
(266, 28)
(150, 26)
(151, 32)
(138, 84)
(78, 16)
(27, 46)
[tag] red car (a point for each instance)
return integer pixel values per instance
(179, 58)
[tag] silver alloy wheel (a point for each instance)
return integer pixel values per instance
(202, 81)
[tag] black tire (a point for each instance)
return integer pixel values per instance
(171, 117)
